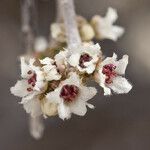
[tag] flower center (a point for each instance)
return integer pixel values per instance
(109, 71)
(69, 92)
(31, 81)
(84, 58)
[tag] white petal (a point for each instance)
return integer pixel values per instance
(20, 88)
(24, 68)
(29, 97)
(90, 69)
(52, 75)
(33, 107)
(122, 64)
(90, 105)
(102, 78)
(73, 79)
(111, 15)
(64, 111)
(109, 60)
(78, 108)
(117, 32)
(120, 85)
(74, 60)
(53, 97)
(47, 61)
(40, 86)
(92, 50)
(31, 64)
(87, 93)
(61, 60)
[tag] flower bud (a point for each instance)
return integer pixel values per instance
(48, 108)
(87, 32)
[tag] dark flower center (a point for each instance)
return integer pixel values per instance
(109, 71)
(69, 92)
(31, 81)
(84, 58)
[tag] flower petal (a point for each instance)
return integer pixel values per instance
(20, 88)
(109, 60)
(64, 111)
(61, 60)
(122, 64)
(120, 85)
(74, 60)
(90, 69)
(52, 75)
(73, 79)
(116, 32)
(47, 61)
(24, 68)
(53, 97)
(87, 93)
(33, 107)
(111, 15)
(101, 80)
(78, 108)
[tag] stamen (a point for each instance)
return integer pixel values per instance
(32, 80)
(69, 92)
(84, 58)
(109, 71)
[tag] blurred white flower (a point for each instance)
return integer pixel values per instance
(58, 32)
(110, 73)
(104, 27)
(40, 44)
(30, 86)
(49, 69)
(71, 97)
(84, 58)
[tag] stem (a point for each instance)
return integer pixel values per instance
(59, 15)
(29, 23)
(59, 19)
(29, 29)
(69, 16)
(36, 127)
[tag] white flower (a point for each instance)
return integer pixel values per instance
(30, 86)
(104, 27)
(50, 70)
(110, 73)
(84, 58)
(71, 97)
(40, 44)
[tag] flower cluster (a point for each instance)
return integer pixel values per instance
(98, 27)
(57, 85)
(54, 82)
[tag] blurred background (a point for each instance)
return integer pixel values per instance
(119, 122)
